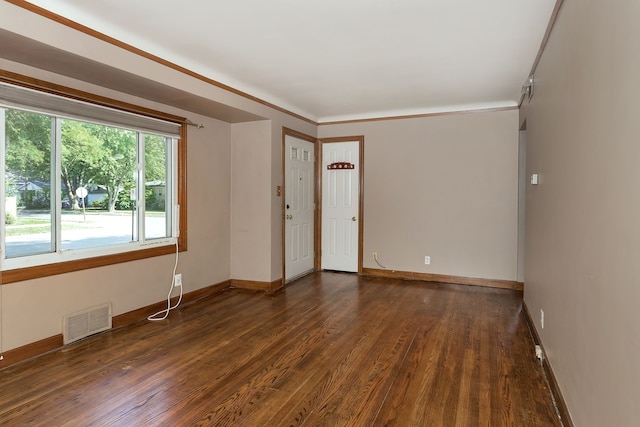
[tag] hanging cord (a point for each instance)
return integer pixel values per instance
(375, 257)
(159, 315)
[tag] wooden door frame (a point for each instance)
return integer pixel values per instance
(316, 254)
(318, 231)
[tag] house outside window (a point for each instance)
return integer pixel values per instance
(80, 180)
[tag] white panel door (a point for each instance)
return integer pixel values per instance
(340, 205)
(299, 207)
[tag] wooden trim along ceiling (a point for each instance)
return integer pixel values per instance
(455, 280)
(360, 139)
(132, 49)
(79, 95)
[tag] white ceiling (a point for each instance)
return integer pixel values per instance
(333, 60)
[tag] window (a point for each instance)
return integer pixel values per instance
(81, 180)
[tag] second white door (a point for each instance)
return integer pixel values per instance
(340, 205)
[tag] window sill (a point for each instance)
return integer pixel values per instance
(28, 273)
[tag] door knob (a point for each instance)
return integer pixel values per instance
(353, 219)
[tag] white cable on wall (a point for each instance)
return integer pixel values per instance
(162, 314)
(375, 258)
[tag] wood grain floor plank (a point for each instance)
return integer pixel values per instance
(331, 349)
(360, 382)
(320, 339)
(247, 365)
(316, 378)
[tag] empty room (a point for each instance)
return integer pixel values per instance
(339, 213)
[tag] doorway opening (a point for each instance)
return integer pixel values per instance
(322, 204)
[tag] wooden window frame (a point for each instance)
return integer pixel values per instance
(28, 273)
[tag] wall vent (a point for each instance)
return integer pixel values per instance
(87, 322)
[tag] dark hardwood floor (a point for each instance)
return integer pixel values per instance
(330, 350)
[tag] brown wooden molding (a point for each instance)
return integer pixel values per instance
(457, 280)
(296, 134)
(182, 188)
(561, 405)
(317, 229)
(52, 343)
(418, 116)
(79, 95)
(30, 350)
(144, 312)
(255, 285)
(27, 273)
(132, 49)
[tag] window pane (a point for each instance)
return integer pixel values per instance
(28, 202)
(99, 161)
(157, 198)
(74, 188)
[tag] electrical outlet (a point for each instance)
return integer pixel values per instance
(542, 318)
(177, 280)
(375, 255)
(427, 260)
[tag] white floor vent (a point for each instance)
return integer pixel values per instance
(87, 322)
